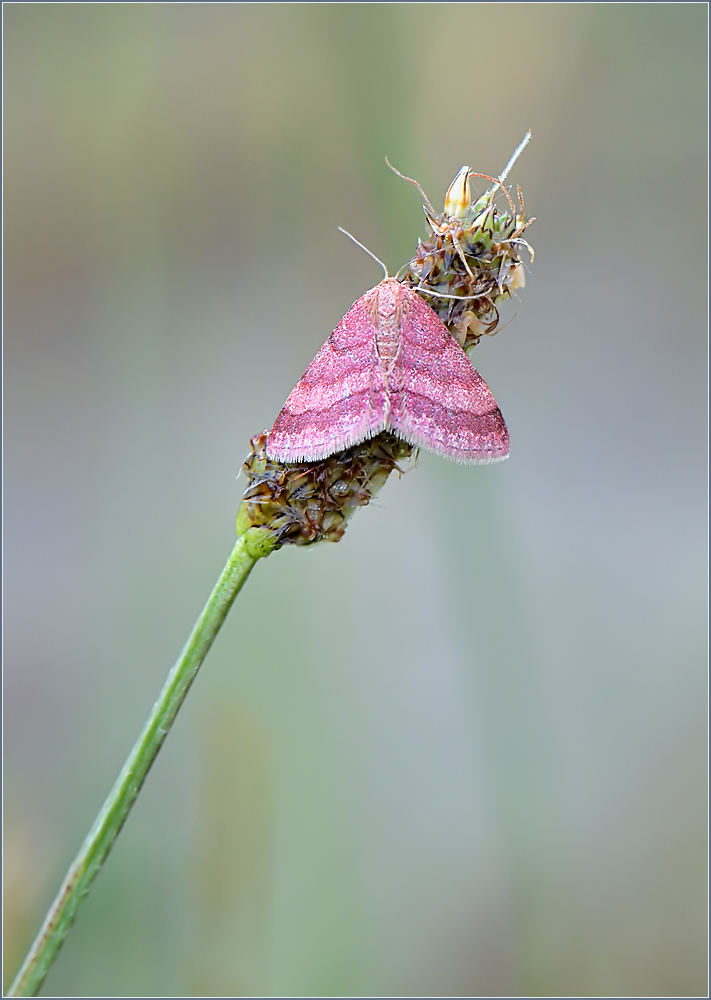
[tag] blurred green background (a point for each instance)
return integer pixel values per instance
(463, 752)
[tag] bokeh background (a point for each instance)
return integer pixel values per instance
(462, 753)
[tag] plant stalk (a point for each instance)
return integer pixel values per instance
(255, 542)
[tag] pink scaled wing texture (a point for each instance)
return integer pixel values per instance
(340, 400)
(390, 364)
(438, 400)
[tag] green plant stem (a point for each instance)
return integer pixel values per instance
(254, 543)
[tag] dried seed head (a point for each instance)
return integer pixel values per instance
(471, 262)
(308, 502)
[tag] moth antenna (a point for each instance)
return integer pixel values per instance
(369, 252)
(425, 199)
(516, 153)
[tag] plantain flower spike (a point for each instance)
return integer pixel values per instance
(472, 260)
(305, 502)
(459, 196)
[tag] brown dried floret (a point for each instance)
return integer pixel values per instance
(307, 502)
(472, 261)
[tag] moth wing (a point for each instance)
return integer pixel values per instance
(340, 399)
(439, 401)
